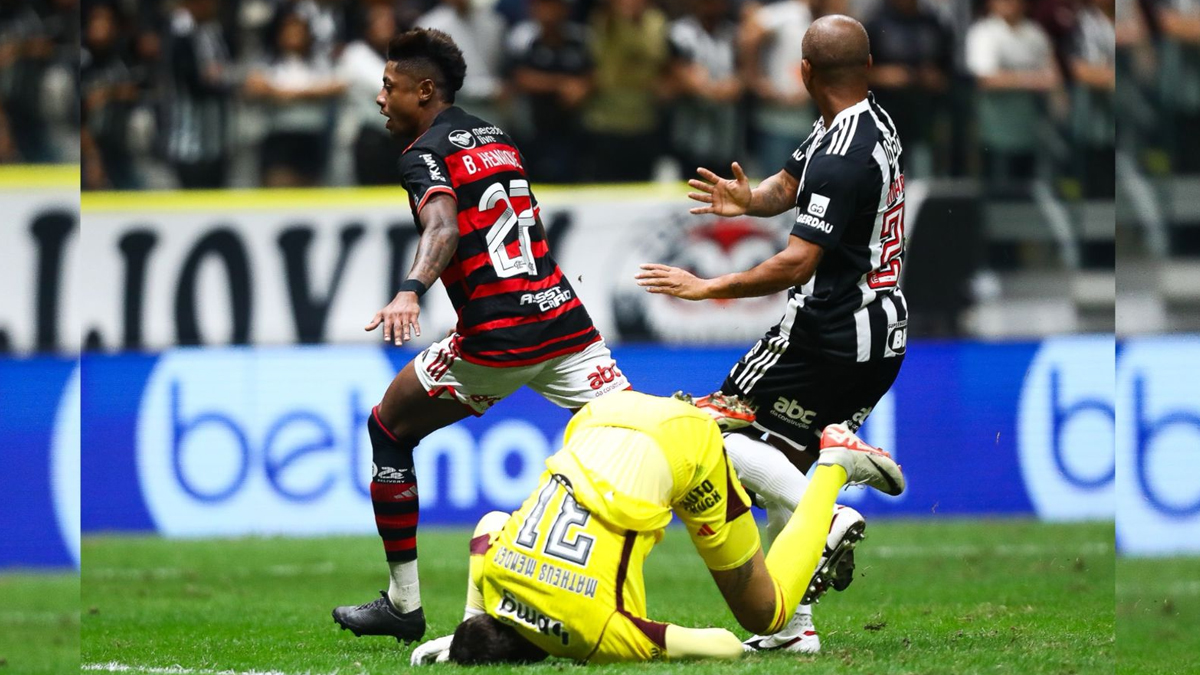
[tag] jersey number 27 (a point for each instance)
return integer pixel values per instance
(507, 265)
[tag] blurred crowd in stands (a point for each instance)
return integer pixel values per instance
(212, 93)
(39, 81)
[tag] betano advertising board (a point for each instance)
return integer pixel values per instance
(252, 440)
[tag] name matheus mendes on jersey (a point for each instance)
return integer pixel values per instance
(544, 572)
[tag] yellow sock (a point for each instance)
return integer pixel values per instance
(797, 550)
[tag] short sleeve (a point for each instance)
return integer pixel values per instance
(716, 509)
(795, 161)
(794, 164)
(828, 200)
(424, 174)
(982, 59)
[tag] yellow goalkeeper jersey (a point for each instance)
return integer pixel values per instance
(566, 568)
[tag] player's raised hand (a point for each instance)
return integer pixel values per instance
(724, 197)
(399, 319)
(657, 278)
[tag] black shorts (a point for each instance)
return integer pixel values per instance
(800, 392)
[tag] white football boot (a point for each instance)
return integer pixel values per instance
(864, 464)
(836, 569)
(799, 635)
(836, 566)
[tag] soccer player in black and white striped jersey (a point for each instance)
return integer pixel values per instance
(838, 348)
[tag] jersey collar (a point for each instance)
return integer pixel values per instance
(860, 107)
(431, 125)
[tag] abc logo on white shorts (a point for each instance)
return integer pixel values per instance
(1065, 427)
(1158, 446)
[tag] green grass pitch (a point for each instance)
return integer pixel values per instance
(39, 623)
(954, 597)
(1158, 616)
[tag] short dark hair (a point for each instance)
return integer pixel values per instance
(429, 53)
(482, 639)
(837, 49)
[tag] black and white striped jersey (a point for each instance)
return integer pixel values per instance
(851, 203)
(197, 91)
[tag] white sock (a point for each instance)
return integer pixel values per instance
(777, 518)
(404, 590)
(765, 471)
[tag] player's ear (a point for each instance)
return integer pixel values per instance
(426, 90)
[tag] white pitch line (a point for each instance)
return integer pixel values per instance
(281, 571)
(118, 667)
(1007, 550)
(18, 618)
(868, 549)
(1164, 589)
(1185, 588)
(163, 573)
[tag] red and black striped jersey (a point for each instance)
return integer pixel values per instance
(515, 306)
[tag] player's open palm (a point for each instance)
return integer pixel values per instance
(400, 319)
(724, 196)
(658, 278)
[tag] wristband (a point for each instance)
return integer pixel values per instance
(413, 286)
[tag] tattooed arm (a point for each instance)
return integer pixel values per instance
(733, 197)
(774, 195)
(793, 266)
(749, 591)
(439, 241)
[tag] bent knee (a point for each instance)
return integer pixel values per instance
(491, 522)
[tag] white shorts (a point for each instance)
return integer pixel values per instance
(569, 381)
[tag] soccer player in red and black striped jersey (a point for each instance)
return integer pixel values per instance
(519, 321)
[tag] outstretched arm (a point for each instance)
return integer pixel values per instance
(734, 197)
(702, 643)
(793, 266)
(830, 201)
(439, 240)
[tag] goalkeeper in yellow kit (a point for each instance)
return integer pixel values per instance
(562, 576)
